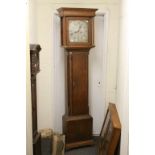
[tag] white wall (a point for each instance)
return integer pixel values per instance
(97, 72)
(28, 105)
(44, 30)
(29, 149)
(32, 21)
(122, 102)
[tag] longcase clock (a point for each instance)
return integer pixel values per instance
(35, 68)
(77, 37)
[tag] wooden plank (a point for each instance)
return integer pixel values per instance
(114, 116)
(110, 133)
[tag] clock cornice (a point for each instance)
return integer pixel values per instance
(76, 12)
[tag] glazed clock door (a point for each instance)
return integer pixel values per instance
(79, 31)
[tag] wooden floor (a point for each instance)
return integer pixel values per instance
(90, 150)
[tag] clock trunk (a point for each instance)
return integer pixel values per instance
(77, 79)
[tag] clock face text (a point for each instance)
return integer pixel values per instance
(78, 31)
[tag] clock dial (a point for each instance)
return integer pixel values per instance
(78, 31)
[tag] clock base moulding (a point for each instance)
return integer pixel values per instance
(78, 131)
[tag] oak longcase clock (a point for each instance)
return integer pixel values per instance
(77, 37)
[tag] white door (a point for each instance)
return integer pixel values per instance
(97, 70)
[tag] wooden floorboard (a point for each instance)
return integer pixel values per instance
(92, 150)
(89, 150)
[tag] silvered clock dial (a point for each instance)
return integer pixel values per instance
(78, 31)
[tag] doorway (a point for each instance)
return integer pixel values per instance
(97, 74)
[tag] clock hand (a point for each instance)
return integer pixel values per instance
(78, 29)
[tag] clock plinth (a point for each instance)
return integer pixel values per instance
(78, 130)
(77, 37)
